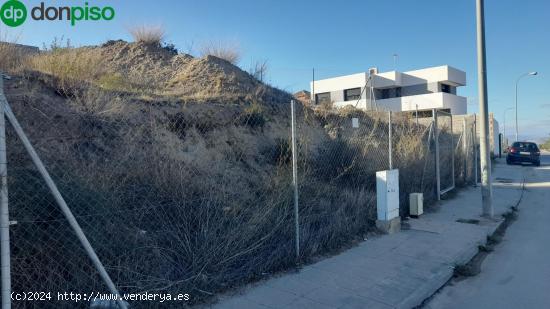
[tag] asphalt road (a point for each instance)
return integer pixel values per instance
(517, 273)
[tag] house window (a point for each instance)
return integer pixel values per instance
(445, 88)
(322, 98)
(398, 92)
(385, 93)
(352, 94)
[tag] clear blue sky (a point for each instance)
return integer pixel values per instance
(342, 37)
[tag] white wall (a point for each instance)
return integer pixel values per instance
(494, 125)
(430, 77)
(340, 83)
(391, 79)
(456, 104)
(362, 104)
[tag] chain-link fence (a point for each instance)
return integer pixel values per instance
(198, 198)
(466, 150)
(339, 154)
(414, 155)
(173, 200)
(446, 151)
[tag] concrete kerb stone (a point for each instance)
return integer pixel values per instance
(441, 279)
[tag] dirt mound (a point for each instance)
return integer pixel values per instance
(212, 76)
(151, 63)
(182, 75)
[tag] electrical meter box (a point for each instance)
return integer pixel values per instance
(416, 204)
(387, 195)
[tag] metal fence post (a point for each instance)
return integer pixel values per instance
(465, 149)
(295, 178)
(475, 151)
(4, 210)
(63, 205)
(452, 153)
(437, 168)
(416, 114)
(390, 146)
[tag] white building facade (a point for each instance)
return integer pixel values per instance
(424, 89)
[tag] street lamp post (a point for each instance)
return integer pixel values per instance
(485, 158)
(508, 109)
(517, 83)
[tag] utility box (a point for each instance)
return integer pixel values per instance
(387, 195)
(387, 201)
(416, 204)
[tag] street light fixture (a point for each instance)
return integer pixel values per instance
(517, 83)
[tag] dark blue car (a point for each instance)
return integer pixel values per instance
(523, 152)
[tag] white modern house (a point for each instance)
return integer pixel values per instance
(424, 89)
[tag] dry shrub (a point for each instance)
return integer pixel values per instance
(114, 82)
(227, 50)
(71, 69)
(12, 56)
(197, 207)
(335, 217)
(414, 160)
(98, 101)
(259, 69)
(148, 34)
(351, 158)
(253, 116)
(195, 198)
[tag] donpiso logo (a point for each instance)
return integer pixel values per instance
(14, 13)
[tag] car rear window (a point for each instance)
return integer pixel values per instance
(526, 146)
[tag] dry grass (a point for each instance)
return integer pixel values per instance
(259, 69)
(72, 69)
(198, 196)
(12, 57)
(226, 50)
(209, 208)
(148, 34)
(353, 156)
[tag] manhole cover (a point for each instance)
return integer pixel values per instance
(504, 180)
(468, 221)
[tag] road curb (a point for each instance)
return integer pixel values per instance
(431, 287)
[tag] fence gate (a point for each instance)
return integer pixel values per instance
(466, 149)
(445, 152)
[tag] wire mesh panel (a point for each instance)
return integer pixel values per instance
(460, 151)
(413, 154)
(180, 172)
(175, 200)
(196, 198)
(46, 254)
(340, 152)
(465, 149)
(474, 142)
(447, 146)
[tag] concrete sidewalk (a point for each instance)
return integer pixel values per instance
(391, 271)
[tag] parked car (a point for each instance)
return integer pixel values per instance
(523, 152)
